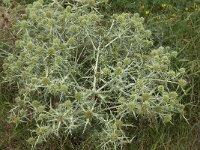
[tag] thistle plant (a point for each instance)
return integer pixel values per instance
(79, 73)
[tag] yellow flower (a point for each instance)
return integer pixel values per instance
(186, 9)
(164, 5)
(147, 12)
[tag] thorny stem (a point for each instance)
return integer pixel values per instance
(97, 60)
(96, 67)
(95, 71)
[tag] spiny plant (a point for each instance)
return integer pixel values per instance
(80, 74)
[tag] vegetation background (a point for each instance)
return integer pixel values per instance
(173, 23)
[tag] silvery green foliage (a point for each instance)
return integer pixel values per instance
(81, 73)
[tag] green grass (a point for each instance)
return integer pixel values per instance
(179, 136)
